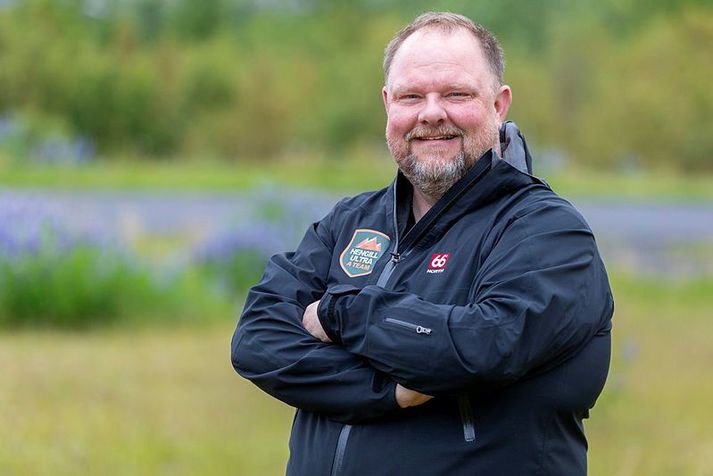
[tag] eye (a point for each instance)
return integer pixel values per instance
(458, 94)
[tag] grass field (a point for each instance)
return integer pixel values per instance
(337, 175)
(166, 401)
(122, 403)
(655, 415)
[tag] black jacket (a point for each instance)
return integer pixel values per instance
(496, 302)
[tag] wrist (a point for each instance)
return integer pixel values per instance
(328, 311)
(326, 316)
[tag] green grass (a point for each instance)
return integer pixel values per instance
(654, 416)
(208, 175)
(643, 186)
(344, 175)
(166, 401)
(156, 402)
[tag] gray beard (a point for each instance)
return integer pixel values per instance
(434, 180)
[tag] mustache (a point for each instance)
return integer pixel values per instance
(423, 131)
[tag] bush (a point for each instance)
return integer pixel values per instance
(77, 288)
(56, 275)
(235, 257)
(88, 287)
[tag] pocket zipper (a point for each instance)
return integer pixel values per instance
(466, 414)
(407, 325)
(341, 449)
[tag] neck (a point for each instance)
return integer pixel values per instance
(421, 204)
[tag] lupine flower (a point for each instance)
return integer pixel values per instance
(29, 225)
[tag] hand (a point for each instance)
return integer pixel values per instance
(311, 322)
(410, 398)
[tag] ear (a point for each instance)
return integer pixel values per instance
(503, 98)
(385, 97)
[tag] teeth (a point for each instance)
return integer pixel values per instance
(437, 138)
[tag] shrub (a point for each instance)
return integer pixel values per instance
(76, 288)
(55, 275)
(235, 257)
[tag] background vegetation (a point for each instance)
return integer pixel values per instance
(608, 84)
(114, 326)
(167, 402)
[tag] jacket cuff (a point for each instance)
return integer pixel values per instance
(390, 399)
(326, 310)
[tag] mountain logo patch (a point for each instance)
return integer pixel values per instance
(363, 251)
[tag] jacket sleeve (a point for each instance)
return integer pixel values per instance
(540, 295)
(271, 348)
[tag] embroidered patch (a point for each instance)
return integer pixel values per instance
(363, 251)
(438, 263)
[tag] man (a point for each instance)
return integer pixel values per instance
(456, 322)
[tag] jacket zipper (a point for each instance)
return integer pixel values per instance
(341, 449)
(383, 278)
(389, 268)
(397, 255)
(466, 414)
(386, 273)
(410, 326)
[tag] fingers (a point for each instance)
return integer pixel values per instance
(311, 323)
(410, 398)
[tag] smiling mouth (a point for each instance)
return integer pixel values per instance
(436, 138)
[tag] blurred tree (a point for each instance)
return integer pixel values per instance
(197, 20)
(600, 80)
(657, 107)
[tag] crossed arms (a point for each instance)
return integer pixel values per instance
(541, 294)
(404, 397)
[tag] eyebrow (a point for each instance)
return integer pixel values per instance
(401, 89)
(462, 86)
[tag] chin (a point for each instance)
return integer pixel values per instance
(437, 162)
(441, 154)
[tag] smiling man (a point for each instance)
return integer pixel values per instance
(456, 322)
(445, 103)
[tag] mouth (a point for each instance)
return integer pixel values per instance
(436, 139)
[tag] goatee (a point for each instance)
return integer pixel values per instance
(434, 178)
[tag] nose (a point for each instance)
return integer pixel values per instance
(432, 112)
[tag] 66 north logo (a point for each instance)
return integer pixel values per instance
(438, 263)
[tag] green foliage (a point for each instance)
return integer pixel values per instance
(662, 109)
(69, 290)
(236, 273)
(89, 287)
(606, 82)
(639, 100)
(344, 176)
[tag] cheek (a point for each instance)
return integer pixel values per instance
(399, 121)
(469, 116)
(468, 121)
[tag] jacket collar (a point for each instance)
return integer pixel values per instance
(514, 148)
(490, 178)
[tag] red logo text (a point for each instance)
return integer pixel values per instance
(438, 262)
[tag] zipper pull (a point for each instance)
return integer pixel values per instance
(410, 326)
(423, 330)
(395, 258)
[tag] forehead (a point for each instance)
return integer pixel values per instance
(432, 53)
